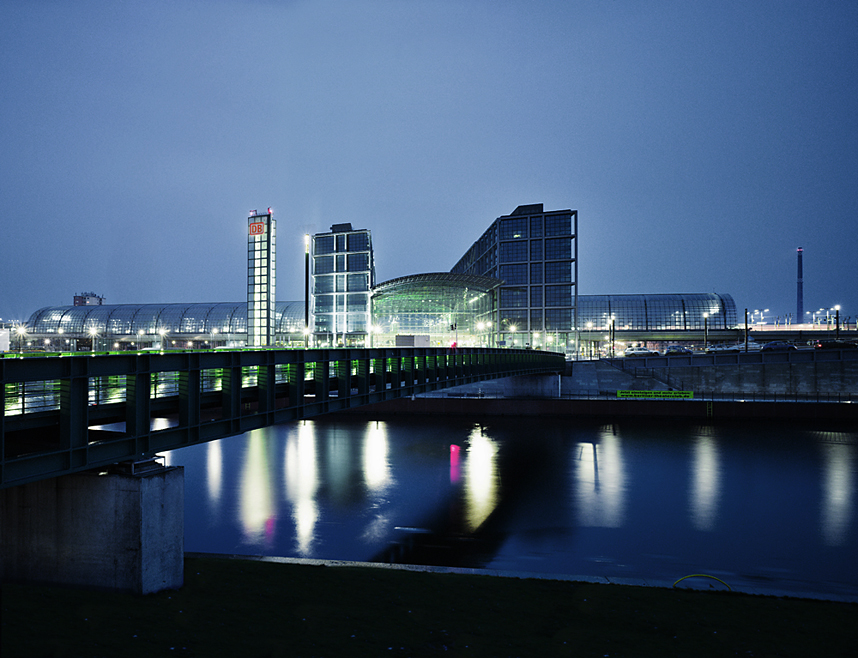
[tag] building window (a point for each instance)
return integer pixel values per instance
(558, 272)
(557, 248)
(536, 296)
(325, 245)
(358, 242)
(536, 319)
(558, 225)
(536, 250)
(511, 252)
(514, 275)
(513, 228)
(513, 297)
(558, 319)
(536, 272)
(324, 264)
(536, 227)
(558, 295)
(358, 262)
(517, 319)
(358, 282)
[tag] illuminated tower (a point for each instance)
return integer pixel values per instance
(343, 275)
(799, 309)
(261, 274)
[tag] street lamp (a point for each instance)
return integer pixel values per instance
(93, 332)
(706, 331)
(22, 332)
(139, 339)
(163, 333)
(837, 321)
(214, 334)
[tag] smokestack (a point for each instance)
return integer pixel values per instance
(799, 304)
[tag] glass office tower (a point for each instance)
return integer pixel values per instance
(343, 274)
(535, 253)
(261, 274)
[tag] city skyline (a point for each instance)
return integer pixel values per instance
(701, 145)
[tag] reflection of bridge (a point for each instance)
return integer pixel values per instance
(64, 414)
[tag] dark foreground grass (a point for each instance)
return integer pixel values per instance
(247, 608)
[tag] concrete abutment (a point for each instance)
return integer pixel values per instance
(117, 530)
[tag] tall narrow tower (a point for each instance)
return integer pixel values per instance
(799, 304)
(261, 274)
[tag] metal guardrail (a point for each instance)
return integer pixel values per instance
(63, 414)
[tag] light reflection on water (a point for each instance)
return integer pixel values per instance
(652, 499)
(599, 477)
(706, 482)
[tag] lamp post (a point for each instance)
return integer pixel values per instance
(837, 321)
(214, 334)
(705, 331)
(93, 332)
(163, 333)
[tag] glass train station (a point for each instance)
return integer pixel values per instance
(515, 287)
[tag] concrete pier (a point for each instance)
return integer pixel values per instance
(119, 530)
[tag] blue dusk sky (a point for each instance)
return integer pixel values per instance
(701, 142)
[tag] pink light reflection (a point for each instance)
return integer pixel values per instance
(454, 463)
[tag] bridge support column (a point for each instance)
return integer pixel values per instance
(122, 531)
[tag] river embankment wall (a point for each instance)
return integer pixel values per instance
(759, 390)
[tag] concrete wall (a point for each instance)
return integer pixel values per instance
(116, 531)
(820, 377)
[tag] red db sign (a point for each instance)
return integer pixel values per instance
(257, 228)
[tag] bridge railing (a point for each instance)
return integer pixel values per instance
(71, 413)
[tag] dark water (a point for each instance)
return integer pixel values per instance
(771, 504)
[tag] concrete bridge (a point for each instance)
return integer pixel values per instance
(84, 500)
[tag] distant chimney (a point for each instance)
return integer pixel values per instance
(799, 303)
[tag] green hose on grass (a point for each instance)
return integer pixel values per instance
(703, 575)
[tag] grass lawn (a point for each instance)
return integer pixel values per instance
(249, 608)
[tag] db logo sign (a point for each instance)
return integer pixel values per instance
(257, 228)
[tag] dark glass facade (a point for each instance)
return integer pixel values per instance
(534, 253)
(343, 274)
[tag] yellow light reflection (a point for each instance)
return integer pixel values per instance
(214, 471)
(838, 489)
(376, 475)
(256, 507)
(706, 483)
(600, 482)
(376, 465)
(302, 482)
(481, 479)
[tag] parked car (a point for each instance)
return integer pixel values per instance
(778, 346)
(723, 348)
(639, 351)
(671, 350)
(835, 345)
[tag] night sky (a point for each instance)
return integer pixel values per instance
(701, 142)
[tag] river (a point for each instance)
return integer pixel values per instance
(769, 504)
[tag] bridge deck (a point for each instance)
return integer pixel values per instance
(63, 414)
